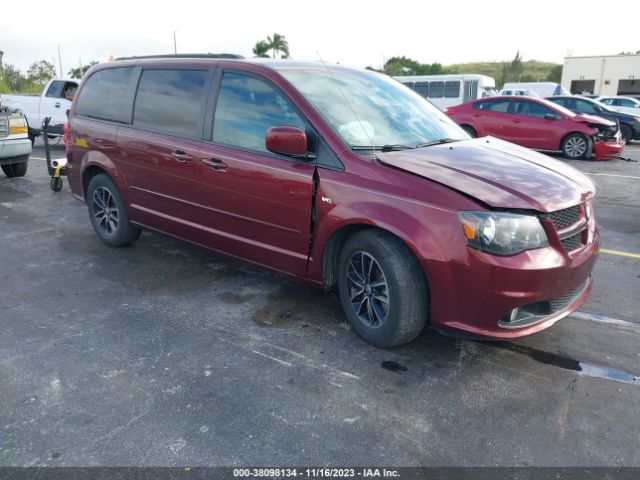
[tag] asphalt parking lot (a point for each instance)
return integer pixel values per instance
(166, 354)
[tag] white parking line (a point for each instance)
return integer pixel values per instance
(594, 317)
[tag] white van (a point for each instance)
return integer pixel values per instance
(519, 92)
(541, 89)
(450, 90)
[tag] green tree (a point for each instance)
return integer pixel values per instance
(261, 50)
(278, 45)
(555, 75)
(512, 72)
(516, 68)
(398, 66)
(40, 73)
(11, 79)
(80, 71)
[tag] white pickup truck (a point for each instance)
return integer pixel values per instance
(54, 102)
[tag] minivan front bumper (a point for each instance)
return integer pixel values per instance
(480, 298)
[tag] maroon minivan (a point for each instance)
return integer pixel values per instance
(340, 177)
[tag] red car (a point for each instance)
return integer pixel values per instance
(541, 125)
(339, 177)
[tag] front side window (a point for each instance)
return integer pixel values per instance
(585, 107)
(103, 95)
(170, 101)
(532, 109)
(369, 109)
(55, 89)
(247, 107)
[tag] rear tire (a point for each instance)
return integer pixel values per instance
(382, 288)
(107, 213)
(575, 146)
(470, 130)
(18, 168)
(627, 133)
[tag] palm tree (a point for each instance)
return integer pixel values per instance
(278, 44)
(261, 50)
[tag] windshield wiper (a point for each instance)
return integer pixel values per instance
(436, 142)
(382, 148)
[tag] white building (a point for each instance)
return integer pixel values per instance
(604, 75)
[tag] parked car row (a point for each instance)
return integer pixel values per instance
(541, 125)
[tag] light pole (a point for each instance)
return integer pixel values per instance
(175, 47)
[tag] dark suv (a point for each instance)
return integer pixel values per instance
(339, 177)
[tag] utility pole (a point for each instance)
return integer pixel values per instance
(175, 47)
(60, 61)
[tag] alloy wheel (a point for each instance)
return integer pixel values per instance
(368, 289)
(576, 147)
(105, 210)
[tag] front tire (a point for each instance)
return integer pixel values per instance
(382, 288)
(627, 133)
(575, 146)
(18, 168)
(107, 213)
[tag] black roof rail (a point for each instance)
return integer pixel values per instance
(185, 55)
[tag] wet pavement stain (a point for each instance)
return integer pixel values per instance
(393, 366)
(294, 303)
(563, 361)
(234, 298)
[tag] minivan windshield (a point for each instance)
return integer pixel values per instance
(368, 109)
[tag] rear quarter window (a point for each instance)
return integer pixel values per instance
(103, 95)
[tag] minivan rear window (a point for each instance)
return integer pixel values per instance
(171, 101)
(103, 95)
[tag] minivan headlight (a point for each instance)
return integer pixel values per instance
(502, 233)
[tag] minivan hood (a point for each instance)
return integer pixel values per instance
(498, 173)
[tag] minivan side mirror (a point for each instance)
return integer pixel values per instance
(286, 141)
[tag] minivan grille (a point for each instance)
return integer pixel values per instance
(570, 224)
(564, 218)
(572, 242)
(4, 127)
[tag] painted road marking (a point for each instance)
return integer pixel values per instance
(594, 317)
(613, 175)
(620, 253)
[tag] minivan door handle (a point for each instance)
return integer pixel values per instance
(181, 156)
(217, 165)
(57, 105)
